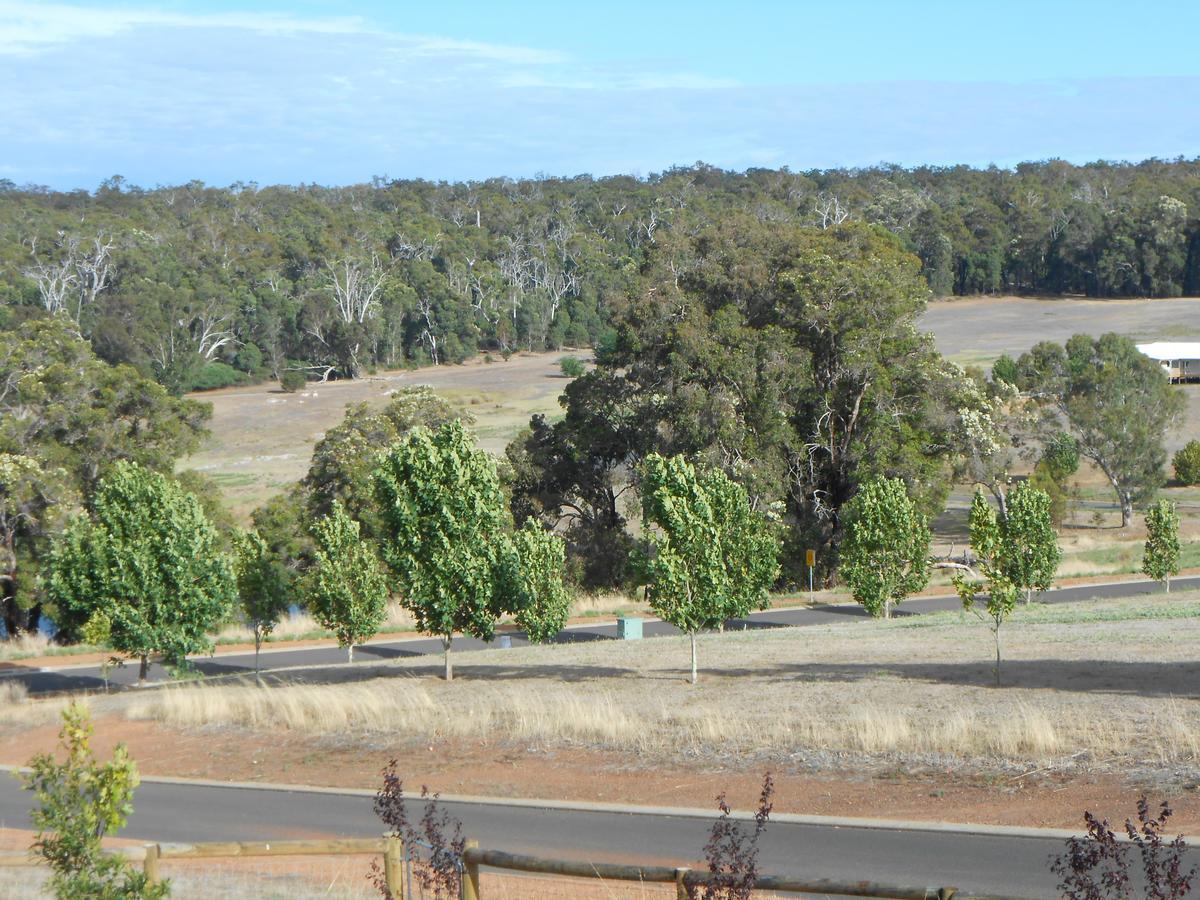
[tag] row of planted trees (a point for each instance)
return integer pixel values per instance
(143, 572)
(1014, 550)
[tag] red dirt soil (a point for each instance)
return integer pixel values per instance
(1032, 799)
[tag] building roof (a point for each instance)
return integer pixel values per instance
(1164, 350)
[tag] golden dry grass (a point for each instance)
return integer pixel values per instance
(18, 708)
(303, 625)
(24, 646)
(1082, 682)
(564, 714)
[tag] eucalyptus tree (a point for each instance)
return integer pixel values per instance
(34, 501)
(1116, 403)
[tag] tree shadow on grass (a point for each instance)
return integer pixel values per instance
(431, 670)
(1084, 676)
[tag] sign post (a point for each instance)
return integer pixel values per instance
(810, 556)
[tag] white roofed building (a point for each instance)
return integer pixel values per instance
(1181, 361)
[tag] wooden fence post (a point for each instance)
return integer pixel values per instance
(150, 863)
(681, 891)
(393, 866)
(470, 875)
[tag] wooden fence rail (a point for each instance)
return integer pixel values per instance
(392, 850)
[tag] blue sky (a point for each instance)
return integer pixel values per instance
(334, 93)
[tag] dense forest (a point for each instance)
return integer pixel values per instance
(199, 286)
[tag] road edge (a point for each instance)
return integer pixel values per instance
(681, 812)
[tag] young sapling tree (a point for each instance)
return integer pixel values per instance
(731, 854)
(709, 557)
(79, 802)
(543, 603)
(263, 586)
(1160, 558)
(1028, 544)
(992, 584)
(347, 588)
(885, 556)
(446, 529)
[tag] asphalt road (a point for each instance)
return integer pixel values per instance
(978, 863)
(89, 678)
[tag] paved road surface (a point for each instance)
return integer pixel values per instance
(972, 862)
(88, 678)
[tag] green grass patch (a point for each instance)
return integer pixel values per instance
(1085, 612)
(234, 479)
(1127, 558)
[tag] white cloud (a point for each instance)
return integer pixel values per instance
(29, 27)
(32, 26)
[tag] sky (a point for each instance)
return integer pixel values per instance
(311, 91)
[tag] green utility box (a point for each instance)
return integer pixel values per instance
(629, 628)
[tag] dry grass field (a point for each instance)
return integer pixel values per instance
(262, 438)
(333, 878)
(976, 330)
(1113, 680)
(1100, 684)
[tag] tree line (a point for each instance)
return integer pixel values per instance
(198, 286)
(774, 383)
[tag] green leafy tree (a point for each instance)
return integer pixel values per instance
(79, 412)
(1116, 402)
(263, 586)
(1160, 559)
(1186, 463)
(1061, 455)
(991, 586)
(76, 416)
(1029, 546)
(80, 801)
(292, 381)
(709, 557)
(446, 525)
(347, 588)
(1052, 473)
(344, 460)
(1005, 369)
(885, 556)
(543, 605)
(571, 366)
(148, 559)
(33, 502)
